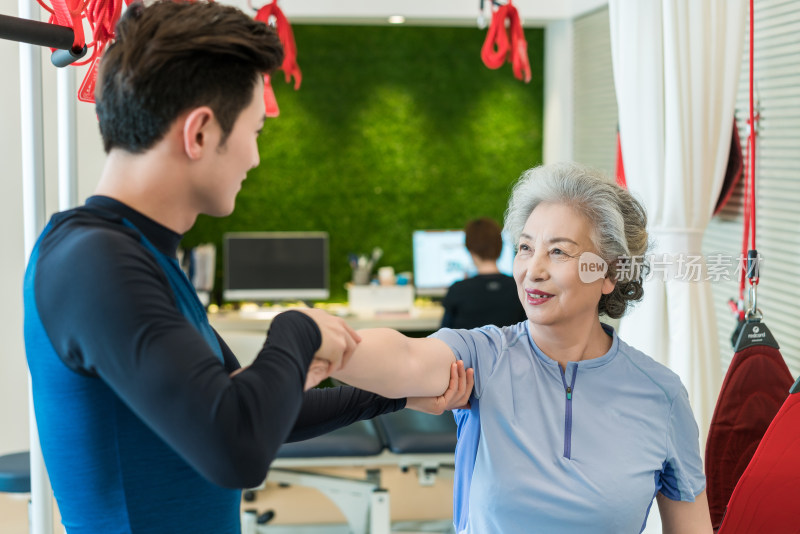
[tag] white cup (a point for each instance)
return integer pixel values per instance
(386, 276)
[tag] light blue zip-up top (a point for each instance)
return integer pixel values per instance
(585, 449)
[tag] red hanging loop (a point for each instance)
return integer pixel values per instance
(499, 46)
(286, 36)
(101, 16)
(289, 66)
(45, 7)
(496, 46)
(270, 102)
(69, 13)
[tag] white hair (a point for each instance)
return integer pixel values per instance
(617, 219)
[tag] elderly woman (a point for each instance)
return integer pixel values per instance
(570, 429)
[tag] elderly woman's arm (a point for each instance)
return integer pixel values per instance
(390, 364)
(678, 517)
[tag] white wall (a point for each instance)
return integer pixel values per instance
(13, 369)
(13, 377)
(559, 105)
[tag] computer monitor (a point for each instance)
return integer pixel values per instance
(274, 266)
(441, 258)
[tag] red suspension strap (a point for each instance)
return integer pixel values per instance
(68, 13)
(285, 34)
(750, 258)
(498, 46)
(289, 66)
(102, 17)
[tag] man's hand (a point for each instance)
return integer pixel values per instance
(237, 371)
(339, 341)
(455, 397)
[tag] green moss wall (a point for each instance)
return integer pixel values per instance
(393, 129)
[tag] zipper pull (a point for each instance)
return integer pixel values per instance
(569, 393)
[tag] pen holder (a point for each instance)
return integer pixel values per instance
(362, 266)
(361, 276)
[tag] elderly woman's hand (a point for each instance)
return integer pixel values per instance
(455, 397)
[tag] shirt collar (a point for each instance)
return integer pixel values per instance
(591, 363)
(164, 239)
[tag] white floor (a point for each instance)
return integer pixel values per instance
(415, 509)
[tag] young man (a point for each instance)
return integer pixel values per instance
(147, 423)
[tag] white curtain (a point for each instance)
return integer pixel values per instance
(676, 70)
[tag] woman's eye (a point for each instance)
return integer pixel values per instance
(559, 255)
(523, 248)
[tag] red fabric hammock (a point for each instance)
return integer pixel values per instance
(733, 173)
(753, 391)
(498, 46)
(765, 499)
(750, 466)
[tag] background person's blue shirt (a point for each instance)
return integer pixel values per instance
(533, 458)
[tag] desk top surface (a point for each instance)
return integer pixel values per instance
(257, 319)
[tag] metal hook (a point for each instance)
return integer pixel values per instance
(753, 312)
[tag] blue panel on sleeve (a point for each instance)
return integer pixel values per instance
(469, 423)
(669, 483)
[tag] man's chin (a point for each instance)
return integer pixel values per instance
(219, 211)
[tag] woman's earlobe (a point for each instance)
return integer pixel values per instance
(608, 285)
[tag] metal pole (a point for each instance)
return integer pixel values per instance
(67, 139)
(32, 31)
(30, 66)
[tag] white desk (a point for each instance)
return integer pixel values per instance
(245, 331)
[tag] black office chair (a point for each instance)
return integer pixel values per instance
(15, 473)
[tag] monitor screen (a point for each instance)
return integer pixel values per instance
(441, 259)
(275, 266)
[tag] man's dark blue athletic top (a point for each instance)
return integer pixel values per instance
(141, 426)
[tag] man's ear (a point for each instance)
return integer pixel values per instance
(199, 132)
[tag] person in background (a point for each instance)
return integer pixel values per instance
(490, 297)
(570, 429)
(146, 420)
